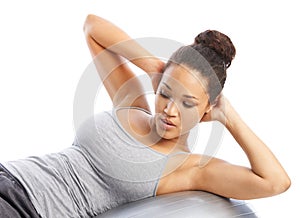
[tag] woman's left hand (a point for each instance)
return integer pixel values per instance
(217, 111)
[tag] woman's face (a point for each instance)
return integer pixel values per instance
(180, 102)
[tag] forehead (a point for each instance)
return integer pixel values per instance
(184, 80)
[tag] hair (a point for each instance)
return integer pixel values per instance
(211, 54)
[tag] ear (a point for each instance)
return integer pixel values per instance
(206, 116)
(209, 108)
(212, 104)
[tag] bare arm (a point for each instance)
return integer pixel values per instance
(266, 176)
(110, 47)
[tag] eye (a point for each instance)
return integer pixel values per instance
(188, 104)
(164, 94)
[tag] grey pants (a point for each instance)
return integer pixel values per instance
(14, 201)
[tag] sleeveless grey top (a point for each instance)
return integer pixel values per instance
(105, 167)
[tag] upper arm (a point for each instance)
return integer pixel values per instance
(218, 177)
(232, 181)
(122, 85)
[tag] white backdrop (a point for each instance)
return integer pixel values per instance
(43, 55)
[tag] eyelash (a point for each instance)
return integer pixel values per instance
(164, 95)
(185, 104)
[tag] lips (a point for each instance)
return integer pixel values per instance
(168, 122)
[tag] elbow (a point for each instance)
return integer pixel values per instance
(88, 23)
(284, 185)
(280, 185)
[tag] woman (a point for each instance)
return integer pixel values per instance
(128, 154)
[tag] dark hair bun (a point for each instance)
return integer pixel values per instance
(218, 42)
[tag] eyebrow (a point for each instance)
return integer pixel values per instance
(190, 96)
(167, 85)
(186, 96)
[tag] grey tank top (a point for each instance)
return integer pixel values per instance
(105, 167)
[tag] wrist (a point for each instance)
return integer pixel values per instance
(152, 65)
(230, 117)
(221, 110)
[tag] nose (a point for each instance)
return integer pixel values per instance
(171, 109)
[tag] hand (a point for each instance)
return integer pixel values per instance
(156, 75)
(217, 111)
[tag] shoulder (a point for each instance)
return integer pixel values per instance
(134, 119)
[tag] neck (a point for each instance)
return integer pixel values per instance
(178, 143)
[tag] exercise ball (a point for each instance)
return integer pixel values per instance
(187, 204)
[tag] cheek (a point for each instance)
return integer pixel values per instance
(156, 103)
(159, 103)
(190, 118)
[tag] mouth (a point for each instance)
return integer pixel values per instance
(167, 124)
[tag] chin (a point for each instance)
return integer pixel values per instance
(166, 134)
